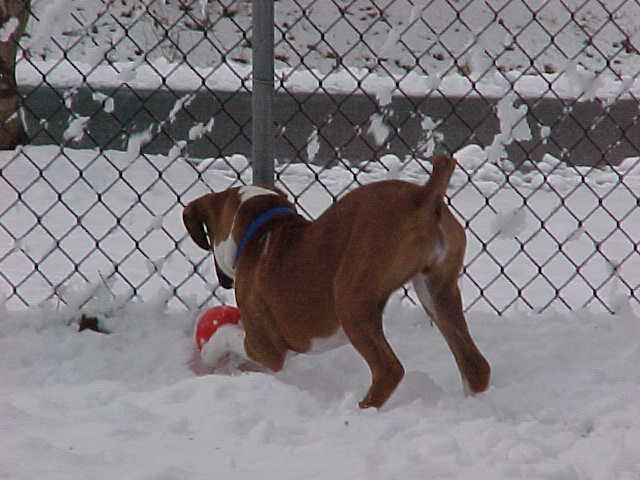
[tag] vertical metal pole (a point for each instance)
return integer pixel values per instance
(262, 97)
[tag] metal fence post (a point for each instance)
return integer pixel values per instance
(262, 97)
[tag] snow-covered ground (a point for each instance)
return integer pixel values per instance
(571, 48)
(563, 401)
(563, 404)
(437, 36)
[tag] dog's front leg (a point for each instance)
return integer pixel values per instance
(266, 347)
(442, 301)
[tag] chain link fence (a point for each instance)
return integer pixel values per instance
(132, 109)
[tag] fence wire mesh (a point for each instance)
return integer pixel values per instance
(132, 109)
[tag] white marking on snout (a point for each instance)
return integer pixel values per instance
(225, 251)
(325, 344)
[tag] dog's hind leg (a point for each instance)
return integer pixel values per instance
(362, 323)
(441, 299)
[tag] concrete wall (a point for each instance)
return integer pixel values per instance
(590, 133)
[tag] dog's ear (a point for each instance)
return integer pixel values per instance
(193, 217)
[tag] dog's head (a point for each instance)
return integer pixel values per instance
(226, 215)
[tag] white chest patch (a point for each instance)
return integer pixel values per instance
(226, 251)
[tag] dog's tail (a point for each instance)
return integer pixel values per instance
(194, 220)
(434, 190)
(443, 166)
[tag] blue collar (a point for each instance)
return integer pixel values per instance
(256, 224)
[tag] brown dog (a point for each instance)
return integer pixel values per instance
(300, 284)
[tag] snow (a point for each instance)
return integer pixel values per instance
(313, 145)
(200, 129)
(562, 403)
(76, 129)
(563, 400)
(55, 15)
(416, 46)
(586, 84)
(108, 104)
(137, 141)
(160, 73)
(510, 223)
(516, 36)
(378, 128)
(513, 127)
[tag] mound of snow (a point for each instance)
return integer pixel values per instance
(126, 405)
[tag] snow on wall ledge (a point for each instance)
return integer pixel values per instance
(572, 83)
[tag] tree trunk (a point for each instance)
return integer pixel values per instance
(13, 20)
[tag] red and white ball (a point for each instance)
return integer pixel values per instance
(211, 320)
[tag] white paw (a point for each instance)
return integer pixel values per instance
(227, 339)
